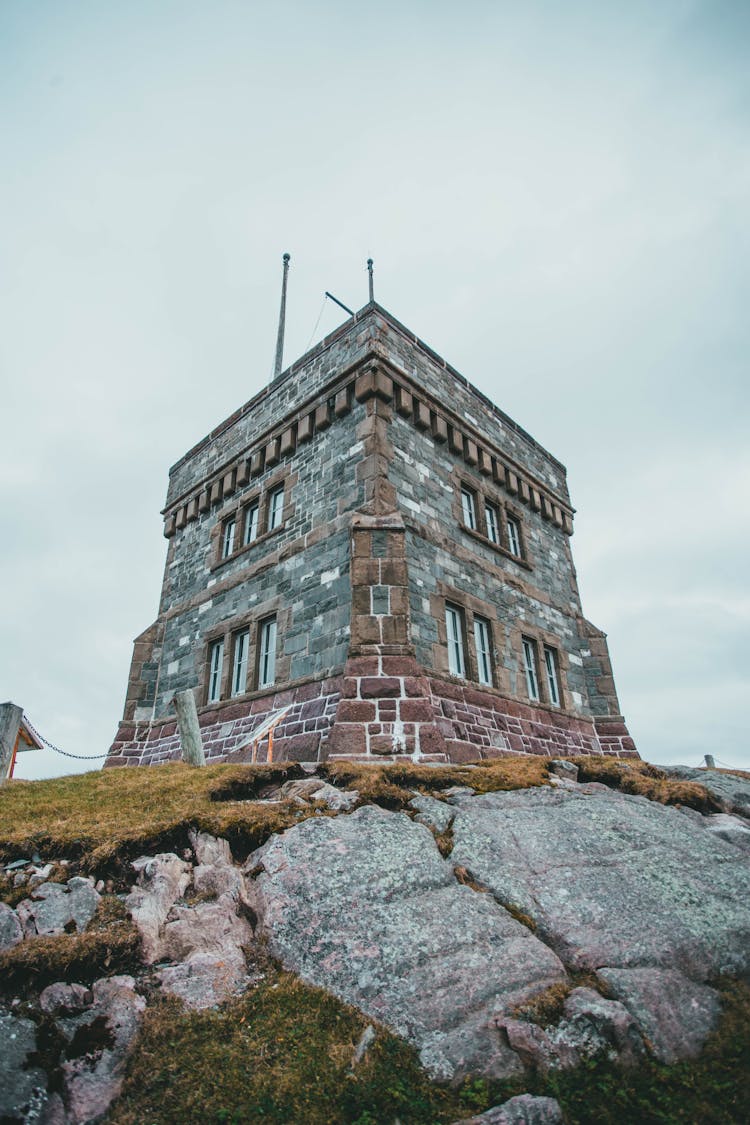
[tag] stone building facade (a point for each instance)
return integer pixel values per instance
(372, 544)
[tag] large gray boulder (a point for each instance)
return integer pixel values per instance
(731, 792)
(11, 931)
(22, 1085)
(365, 907)
(612, 880)
(525, 1109)
(56, 908)
(675, 1014)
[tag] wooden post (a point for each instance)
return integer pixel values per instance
(10, 724)
(190, 732)
(710, 763)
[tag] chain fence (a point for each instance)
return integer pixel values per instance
(65, 754)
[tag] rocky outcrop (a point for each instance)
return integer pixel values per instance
(474, 958)
(730, 790)
(366, 907)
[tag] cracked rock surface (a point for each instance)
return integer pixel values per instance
(365, 907)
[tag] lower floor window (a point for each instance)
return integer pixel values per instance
(482, 643)
(550, 666)
(239, 662)
(454, 627)
(529, 661)
(215, 669)
(267, 653)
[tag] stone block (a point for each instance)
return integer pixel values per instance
(355, 711)
(377, 687)
(416, 711)
(422, 416)
(404, 402)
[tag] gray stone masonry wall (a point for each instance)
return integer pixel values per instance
(284, 572)
(371, 436)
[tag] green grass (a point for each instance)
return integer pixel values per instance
(280, 1054)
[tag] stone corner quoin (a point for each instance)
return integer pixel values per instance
(373, 545)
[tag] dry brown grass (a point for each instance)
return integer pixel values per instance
(393, 786)
(645, 780)
(110, 944)
(102, 820)
(546, 1007)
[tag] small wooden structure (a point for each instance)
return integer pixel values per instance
(15, 736)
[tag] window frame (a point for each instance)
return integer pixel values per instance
(264, 628)
(484, 655)
(214, 687)
(228, 536)
(529, 649)
(551, 657)
(492, 520)
(512, 521)
(252, 507)
(469, 507)
(240, 665)
(457, 643)
(275, 515)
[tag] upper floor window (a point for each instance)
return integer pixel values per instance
(455, 629)
(469, 508)
(251, 522)
(275, 507)
(239, 661)
(215, 669)
(227, 539)
(483, 644)
(490, 519)
(267, 653)
(550, 667)
(492, 523)
(530, 668)
(514, 535)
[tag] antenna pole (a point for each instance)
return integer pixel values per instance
(372, 289)
(282, 321)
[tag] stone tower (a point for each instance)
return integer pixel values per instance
(372, 544)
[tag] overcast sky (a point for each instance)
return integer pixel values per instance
(557, 199)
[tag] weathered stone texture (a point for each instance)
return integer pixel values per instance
(361, 906)
(371, 435)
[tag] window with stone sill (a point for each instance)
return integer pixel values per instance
(489, 518)
(227, 537)
(251, 521)
(469, 661)
(229, 660)
(541, 668)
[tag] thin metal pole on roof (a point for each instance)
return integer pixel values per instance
(282, 320)
(372, 288)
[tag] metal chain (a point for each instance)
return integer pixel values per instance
(51, 745)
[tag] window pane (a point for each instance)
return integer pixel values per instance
(267, 659)
(482, 642)
(228, 542)
(239, 667)
(550, 665)
(468, 508)
(529, 659)
(275, 508)
(215, 667)
(454, 626)
(251, 524)
(490, 516)
(514, 537)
